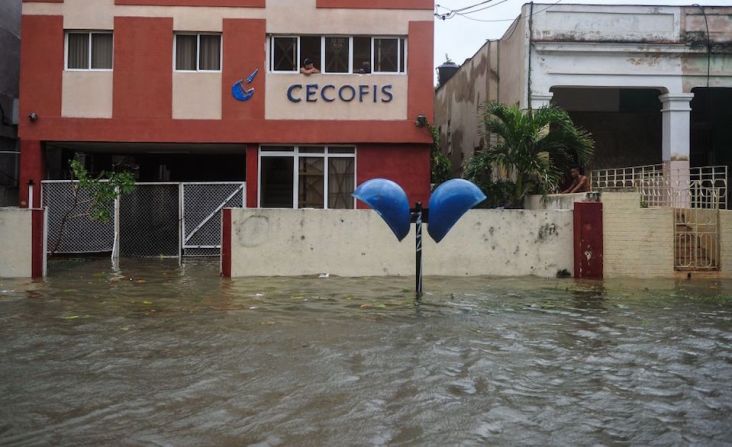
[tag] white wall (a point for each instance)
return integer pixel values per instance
(279, 242)
(15, 242)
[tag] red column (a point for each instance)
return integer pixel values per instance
(31, 169)
(226, 243)
(588, 240)
(421, 70)
(252, 176)
(243, 42)
(407, 164)
(38, 241)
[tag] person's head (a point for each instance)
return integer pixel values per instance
(575, 172)
(307, 63)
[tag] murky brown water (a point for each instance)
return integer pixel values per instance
(161, 355)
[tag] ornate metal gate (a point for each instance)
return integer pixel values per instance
(696, 239)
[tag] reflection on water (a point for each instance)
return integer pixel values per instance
(162, 355)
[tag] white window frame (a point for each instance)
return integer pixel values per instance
(296, 154)
(270, 55)
(198, 51)
(350, 54)
(400, 70)
(89, 34)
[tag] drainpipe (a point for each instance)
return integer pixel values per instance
(531, 31)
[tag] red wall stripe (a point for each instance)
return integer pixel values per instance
(226, 243)
(43, 1)
(222, 131)
(421, 70)
(243, 42)
(143, 68)
(407, 165)
(377, 4)
(214, 3)
(41, 65)
(37, 242)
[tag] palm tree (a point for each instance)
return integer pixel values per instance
(534, 148)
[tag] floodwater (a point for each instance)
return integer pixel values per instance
(164, 355)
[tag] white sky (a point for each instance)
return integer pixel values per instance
(460, 38)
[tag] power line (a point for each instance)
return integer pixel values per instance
(464, 10)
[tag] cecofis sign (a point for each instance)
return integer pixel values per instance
(346, 93)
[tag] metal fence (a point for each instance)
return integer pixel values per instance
(699, 187)
(156, 219)
(696, 239)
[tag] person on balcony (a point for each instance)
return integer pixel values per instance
(308, 68)
(580, 183)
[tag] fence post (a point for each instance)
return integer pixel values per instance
(181, 221)
(115, 244)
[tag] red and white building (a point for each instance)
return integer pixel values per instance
(157, 85)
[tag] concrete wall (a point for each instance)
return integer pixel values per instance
(358, 243)
(553, 201)
(725, 242)
(513, 62)
(15, 242)
(638, 242)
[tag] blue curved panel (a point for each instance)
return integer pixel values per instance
(389, 201)
(448, 203)
(238, 92)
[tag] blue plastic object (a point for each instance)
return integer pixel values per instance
(389, 201)
(448, 203)
(238, 91)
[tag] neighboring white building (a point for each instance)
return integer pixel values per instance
(652, 83)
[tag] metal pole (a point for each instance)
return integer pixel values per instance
(418, 212)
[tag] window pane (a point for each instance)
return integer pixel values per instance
(310, 183)
(276, 182)
(340, 183)
(312, 150)
(362, 55)
(402, 56)
(185, 52)
(210, 53)
(102, 50)
(310, 49)
(336, 54)
(341, 150)
(78, 50)
(277, 149)
(386, 55)
(284, 53)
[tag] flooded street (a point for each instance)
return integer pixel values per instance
(159, 354)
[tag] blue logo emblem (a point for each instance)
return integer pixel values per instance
(238, 91)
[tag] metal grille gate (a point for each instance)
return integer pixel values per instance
(156, 219)
(696, 239)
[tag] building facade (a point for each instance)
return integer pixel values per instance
(212, 90)
(10, 50)
(653, 84)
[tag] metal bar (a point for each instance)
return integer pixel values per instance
(210, 216)
(418, 251)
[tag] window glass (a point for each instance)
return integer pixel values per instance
(386, 55)
(312, 150)
(337, 55)
(310, 49)
(340, 182)
(78, 48)
(284, 54)
(101, 50)
(277, 182)
(209, 57)
(185, 51)
(341, 150)
(310, 183)
(362, 55)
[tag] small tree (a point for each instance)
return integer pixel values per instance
(100, 191)
(534, 149)
(439, 163)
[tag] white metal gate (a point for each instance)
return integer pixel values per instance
(156, 219)
(696, 239)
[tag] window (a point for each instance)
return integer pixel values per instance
(339, 54)
(283, 53)
(89, 50)
(198, 52)
(307, 177)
